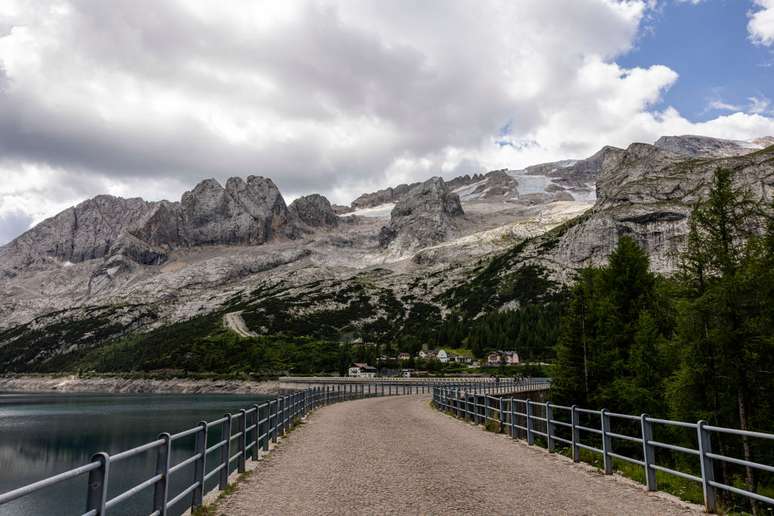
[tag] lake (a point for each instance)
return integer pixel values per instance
(42, 434)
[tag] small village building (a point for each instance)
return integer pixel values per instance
(443, 356)
(494, 359)
(360, 370)
(404, 356)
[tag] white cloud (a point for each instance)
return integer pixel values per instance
(136, 98)
(759, 105)
(761, 24)
(720, 105)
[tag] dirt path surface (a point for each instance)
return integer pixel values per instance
(396, 455)
(234, 322)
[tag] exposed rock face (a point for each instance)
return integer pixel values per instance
(249, 212)
(692, 146)
(85, 232)
(245, 212)
(314, 211)
(424, 217)
(385, 196)
(648, 193)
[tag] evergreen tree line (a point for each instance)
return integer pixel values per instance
(531, 330)
(696, 346)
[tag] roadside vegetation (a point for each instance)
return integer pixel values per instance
(699, 346)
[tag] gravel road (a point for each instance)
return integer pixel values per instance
(236, 323)
(396, 455)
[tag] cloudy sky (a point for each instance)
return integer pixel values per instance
(147, 97)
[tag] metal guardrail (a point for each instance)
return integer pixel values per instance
(544, 420)
(415, 380)
(245, 435)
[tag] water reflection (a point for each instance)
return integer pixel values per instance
(45, 434)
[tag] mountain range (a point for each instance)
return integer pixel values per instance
(110, 268)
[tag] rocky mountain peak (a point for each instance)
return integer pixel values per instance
(83, 232)
(704, 146)
(314, 210)
(424, 217)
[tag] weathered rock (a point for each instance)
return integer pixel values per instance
(244, 213)
(388, 195)
(692, 146)
(84, 232)
(648, 193)
(424, 217)
(314, 211)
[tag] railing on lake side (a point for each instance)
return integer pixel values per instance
(243, 435)
(547, 421)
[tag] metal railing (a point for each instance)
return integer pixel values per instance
(573, 425)
(240, 436)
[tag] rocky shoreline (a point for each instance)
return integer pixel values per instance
(74, 383)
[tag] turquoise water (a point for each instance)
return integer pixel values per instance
(45, 434)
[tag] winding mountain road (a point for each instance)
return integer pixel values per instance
(234, 322)
(396, 455)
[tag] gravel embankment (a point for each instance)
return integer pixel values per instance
(398, 456)
(133, 385)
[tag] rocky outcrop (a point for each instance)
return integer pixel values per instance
(424, 217)
(315, 211)
(388, 195)
(703, 146)
(648, 192)
(246, 212)
(85, 232)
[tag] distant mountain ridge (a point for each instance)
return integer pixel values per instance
(110, 266)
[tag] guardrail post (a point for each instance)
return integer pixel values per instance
(282, 412)
(161, 489)
(502, 414)
(266, 428)
(607, 442)
(288, 412)
(530, 435)
(242, 442)
(575, 433)
(513, 419)
(488, 409)
(225, 451)
(256, 433)
(200, 448)
(707, 467)
(648, 453)
(550, 430)
(274, 420)
(96, 496)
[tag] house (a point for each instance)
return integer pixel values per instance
(442, 356)
(461, 359)
(494, 359)
(406, 373)
(426, 355)
(404, 356)
(510, 357)
(359, 370)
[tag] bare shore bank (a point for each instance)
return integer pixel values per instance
(116, 384)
